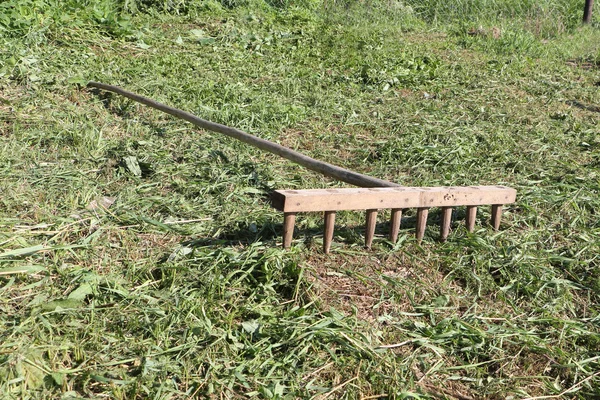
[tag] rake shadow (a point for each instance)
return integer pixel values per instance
(582, 106)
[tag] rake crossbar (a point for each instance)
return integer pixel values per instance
(397, 199)
(402, 197)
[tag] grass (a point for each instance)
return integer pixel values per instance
(180, 289)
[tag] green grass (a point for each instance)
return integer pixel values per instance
(180, 289)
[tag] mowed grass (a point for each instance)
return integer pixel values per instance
(178, 287)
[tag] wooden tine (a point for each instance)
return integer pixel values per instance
(496, 216)
(370, 228)
(471, 216)
(289, 220)
(395, 224)
(421, 223)
(445, 225)
(328, 235)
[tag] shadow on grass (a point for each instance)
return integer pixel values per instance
(582, 106)
(270, 233)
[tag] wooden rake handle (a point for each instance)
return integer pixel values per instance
(330, 170)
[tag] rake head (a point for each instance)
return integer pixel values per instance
(330, 201)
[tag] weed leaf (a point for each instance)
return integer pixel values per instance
(64, 304)
(22, 252)
(81, 292)
(250, 326)
(131, 162)
(25, 269)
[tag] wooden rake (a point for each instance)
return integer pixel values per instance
(381, 195)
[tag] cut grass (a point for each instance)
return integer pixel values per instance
(179, 289)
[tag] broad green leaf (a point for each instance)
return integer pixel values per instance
(198, 33)
(32, 369)
(81, 292)
(77, 79)
(132, 165)
(251, 326)
(58, 378)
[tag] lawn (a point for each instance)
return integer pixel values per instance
(140, 257)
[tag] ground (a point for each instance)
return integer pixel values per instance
(140, 257)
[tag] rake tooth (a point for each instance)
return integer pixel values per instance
(395, 224)
(421, 223)
(446, 219)
(471, 215)
(496, 215)
(328, 235)
(370, 228)
(288, 229)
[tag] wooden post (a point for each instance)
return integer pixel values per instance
(370, 227)
(328, 234)
(445, 225)
(288, 229)
(587, 11)
(421, 223)
(471, 216)
(395, 224)
(496, 216)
